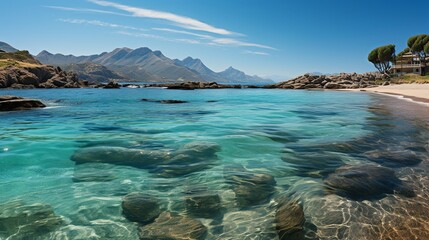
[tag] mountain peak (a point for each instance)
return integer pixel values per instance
(7, 48)
(44, 53)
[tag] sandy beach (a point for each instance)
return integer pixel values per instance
(416, 92)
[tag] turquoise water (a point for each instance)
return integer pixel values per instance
(298, 137)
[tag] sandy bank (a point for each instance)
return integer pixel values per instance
(416, 92)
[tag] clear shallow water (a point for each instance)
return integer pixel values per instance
(298, 137)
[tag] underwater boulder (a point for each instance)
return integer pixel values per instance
(204, 205)
(289, 220)
(192, 157)
(393, 159)
(365, 181)
(139, 207)
(173, 227)
(252, 188)
(27, 221)
(120, 156)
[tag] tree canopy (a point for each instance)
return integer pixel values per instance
(419, 44)
(406, 50)
(382, 57)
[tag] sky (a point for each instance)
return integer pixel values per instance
(271, 38)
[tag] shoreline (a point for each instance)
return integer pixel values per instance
(417, 93)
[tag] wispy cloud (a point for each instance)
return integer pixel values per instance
(101, 24)
(256, 53)
(183, 32)
(238, 43)
(85, 10)
(145, 35)
(182, 21)
(219, 41)
(211, 37)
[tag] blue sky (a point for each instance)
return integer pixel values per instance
(269, 38)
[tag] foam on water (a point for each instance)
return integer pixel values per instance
(298, 137)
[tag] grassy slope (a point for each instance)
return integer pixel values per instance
(410, 78)
(17, 59)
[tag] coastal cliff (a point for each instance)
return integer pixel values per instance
(20, 70)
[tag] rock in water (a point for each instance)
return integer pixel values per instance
(203, 205)
(169, 226)
(14, 103)
(120, 156)
(139, 207)
(26, 221)
(252, 188)
(364, 181)
(193, 157)
(393, 159)
(289, 220)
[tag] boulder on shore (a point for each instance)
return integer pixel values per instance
(14, 103)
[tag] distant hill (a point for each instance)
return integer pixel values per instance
(232, 74)
(198, 66)
(143, 64)
(7, 48)
(93, 72)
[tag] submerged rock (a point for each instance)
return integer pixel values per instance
(289, 220)
(139, 207)
(173, 227)
(204, 205)
(364, 181)
(393, 159)
(26, 221)
(14, 103)
(83, 173)
(120, 156)
(252, 188)
(164, 101)
(192, 157)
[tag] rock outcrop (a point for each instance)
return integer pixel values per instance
(20, 70)
(340, 81)
(14, 103)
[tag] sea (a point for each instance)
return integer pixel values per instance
(77, 157)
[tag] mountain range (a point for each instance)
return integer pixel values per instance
(145, 65)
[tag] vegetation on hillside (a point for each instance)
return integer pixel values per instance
(17, 59)
(410, 78)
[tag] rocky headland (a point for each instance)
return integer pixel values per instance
(19, 70)
(340, 81)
